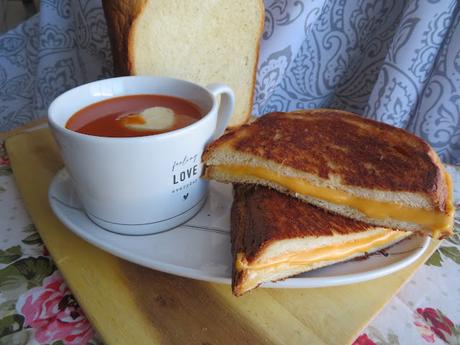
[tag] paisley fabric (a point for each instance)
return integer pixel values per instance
(65, 45)
(391, 60)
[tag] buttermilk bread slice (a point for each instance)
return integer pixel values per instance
(208, 41)
(275, 237)
(376, 166)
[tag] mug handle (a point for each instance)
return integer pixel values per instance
(226, 106)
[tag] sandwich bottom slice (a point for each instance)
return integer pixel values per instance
(275, 236)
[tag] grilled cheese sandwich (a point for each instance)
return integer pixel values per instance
(358, 168)
(275, 236)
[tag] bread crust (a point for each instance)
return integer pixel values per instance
(120, 16)
(355, 151)
(254, 74)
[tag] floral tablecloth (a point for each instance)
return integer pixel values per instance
(37, 307)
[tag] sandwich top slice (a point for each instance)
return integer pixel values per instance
(355, 167)
(275, 236)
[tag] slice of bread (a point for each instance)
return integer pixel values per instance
(345, 154)
(208, 41)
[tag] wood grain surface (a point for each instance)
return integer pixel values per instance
(130, 304)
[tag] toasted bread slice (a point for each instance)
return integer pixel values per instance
(355, 167)
(275, 236)
(202, 41)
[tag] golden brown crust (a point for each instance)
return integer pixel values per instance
(237, 281)
(361, 152)
(120, 16)
(238, 229)
(439, 192)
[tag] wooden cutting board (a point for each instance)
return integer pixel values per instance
(129, 304)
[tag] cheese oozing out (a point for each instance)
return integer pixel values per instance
(155, 118)
(333, 252)
(438, 222)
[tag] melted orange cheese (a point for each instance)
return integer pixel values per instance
(335, 252)
(436, 221)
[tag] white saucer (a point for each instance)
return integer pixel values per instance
(200, 248)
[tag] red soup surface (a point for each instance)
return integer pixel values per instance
(103, 119)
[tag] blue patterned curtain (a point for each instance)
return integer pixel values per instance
(63, 46)
(390, 60)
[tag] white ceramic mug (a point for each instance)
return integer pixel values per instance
(140, 185)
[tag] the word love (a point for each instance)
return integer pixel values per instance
(185, 174)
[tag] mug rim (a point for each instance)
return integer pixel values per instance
(53, 123)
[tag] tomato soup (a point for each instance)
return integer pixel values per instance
(134, 116)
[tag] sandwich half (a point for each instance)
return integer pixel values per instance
(358, 168)
(275, 236)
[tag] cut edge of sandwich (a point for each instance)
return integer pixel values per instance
(287, 258)
(411, 211)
